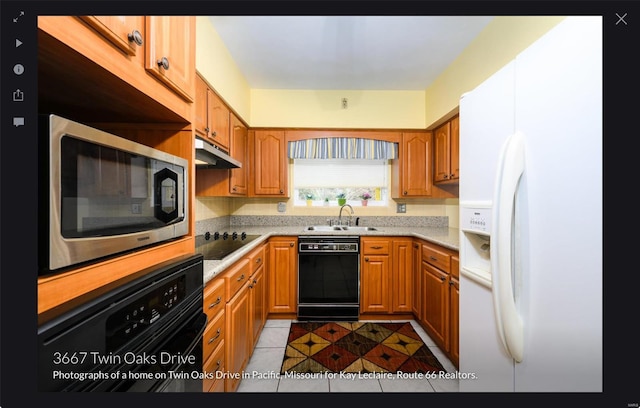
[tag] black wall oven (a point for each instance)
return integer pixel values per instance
(328, 278)
(141, 335)
(101, 194)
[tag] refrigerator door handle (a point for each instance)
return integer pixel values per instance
(510, 169)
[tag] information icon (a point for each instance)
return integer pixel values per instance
(18, 69)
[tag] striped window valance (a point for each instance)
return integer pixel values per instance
(342, 148)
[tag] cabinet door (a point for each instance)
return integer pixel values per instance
(442, 148)
(238, 179)
(435, 296)
(401, 276)
(238, 337)
(417, 154)
(125, 32)
(455, 148)
(416, 285)
(218, 121)
(257, 305)
(374, 284)
(170, 52)
(270, 163)
(283, 275)
(200, 122)
(454, 320)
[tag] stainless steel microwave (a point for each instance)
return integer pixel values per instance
(101, 195)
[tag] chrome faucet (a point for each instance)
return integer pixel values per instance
(340, 215)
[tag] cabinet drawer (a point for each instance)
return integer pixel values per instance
(256, 259)
(213, 364)
(236, 277)
(375, 247)
(214, 298)
(213, 335)
(436, 257)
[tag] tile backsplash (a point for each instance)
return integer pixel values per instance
(231, 221)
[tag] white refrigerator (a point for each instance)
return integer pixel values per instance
(531, 222)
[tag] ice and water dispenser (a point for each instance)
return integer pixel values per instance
(475, 242)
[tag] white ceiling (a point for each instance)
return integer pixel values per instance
(345, 52)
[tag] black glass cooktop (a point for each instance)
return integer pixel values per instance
(218, 245)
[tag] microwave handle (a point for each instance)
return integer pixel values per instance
(173, 216)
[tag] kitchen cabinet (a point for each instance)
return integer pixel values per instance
(238, 344)
(282, 275)
(386, 269)
(269, 170)
(214, 303)
(440, 297)
(416, 281)
(414, 166)
(228, 182)
(125, 32)
(401, 275)
(170, 52)
(257, 294)
(454, 311)
(212, 118)
(447, 152)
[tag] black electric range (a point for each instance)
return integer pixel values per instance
(218, 245)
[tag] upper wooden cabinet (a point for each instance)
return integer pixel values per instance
(413, 170)
(125, 32)
(447, 152)
(104, 68)
(228, 182)
(170, 52)
(212, 119)
(269, 164)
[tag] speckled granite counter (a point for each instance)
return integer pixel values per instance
(444, 236)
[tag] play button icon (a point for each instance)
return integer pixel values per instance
(18, 43)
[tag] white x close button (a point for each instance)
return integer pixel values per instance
(621, 18)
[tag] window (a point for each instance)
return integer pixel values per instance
(324, 180)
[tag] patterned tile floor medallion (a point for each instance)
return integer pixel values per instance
(357, 347)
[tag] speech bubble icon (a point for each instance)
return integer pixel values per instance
(18, 121)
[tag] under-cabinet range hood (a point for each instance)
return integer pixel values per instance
(210, 157)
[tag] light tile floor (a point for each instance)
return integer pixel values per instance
(262, 373)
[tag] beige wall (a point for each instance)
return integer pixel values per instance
(315, 108)
(215, 64)
(494, 47)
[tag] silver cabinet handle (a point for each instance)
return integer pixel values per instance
(135, 37)
(211, 340)
(163, 62)
(241, 277)
(218, 300)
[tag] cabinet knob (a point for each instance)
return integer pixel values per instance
(206, 130)
(281, 191)
(366, 259)
(446, 176)
(214, 134)
(163, 62)
(405, 193)
(453, 175)
(135, 37)
(443, 278)
(291, 244)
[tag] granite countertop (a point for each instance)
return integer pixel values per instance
(444, 236)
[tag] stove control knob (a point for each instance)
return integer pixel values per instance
(216, 235)
(243, 236)
(225, 235)
(207, 235)
(234, 235)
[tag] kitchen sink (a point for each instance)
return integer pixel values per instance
(326, 228)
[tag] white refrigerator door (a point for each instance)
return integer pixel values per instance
(487, 117)
(559, 111)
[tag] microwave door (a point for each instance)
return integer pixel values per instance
(167, 188)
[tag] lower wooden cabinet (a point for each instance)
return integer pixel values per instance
(239, 342)
(283, 275)
(257, 304)
(435, 299)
